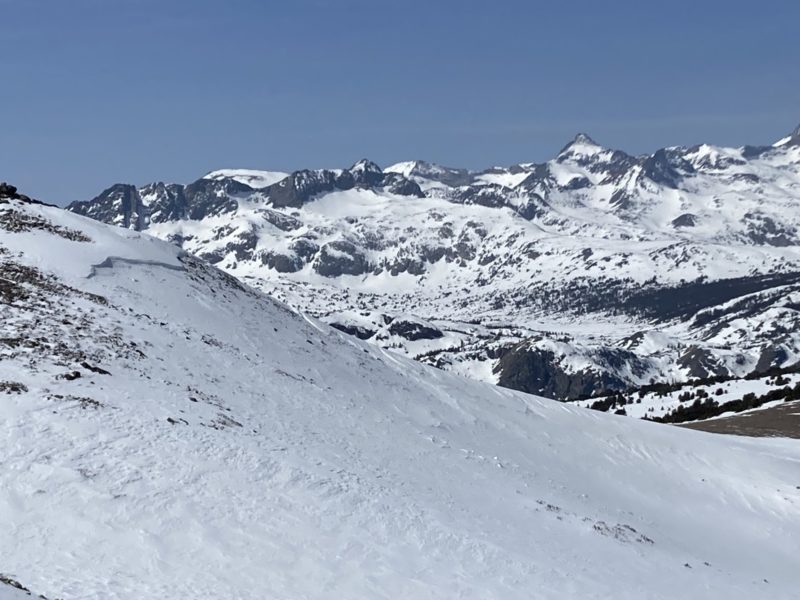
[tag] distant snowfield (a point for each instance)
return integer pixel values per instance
(238, 449)
(254, 178)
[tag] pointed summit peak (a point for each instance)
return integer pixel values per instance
(365, 166)
(796, 135)
(582, 143)
(366, 173)
(793, 139)
(584, 138)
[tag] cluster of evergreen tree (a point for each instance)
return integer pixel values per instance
(664, 389)
(706, 407)
(614, 401)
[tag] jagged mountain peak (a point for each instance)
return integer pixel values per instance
(366, 165)
(582, 144)
(584, 138)
(366, 173)
(119, 204)
(796, 135)
(793, 139)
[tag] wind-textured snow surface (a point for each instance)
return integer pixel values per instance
(238, 449)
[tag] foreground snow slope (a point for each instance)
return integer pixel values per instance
(237, 449)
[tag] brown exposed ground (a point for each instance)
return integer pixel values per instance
(782, 420)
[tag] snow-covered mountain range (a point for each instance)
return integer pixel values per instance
(168, 432)
(597, 270)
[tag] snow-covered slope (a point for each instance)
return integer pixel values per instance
(564, 266)
(11, 593)
(254, 179)
(166, 432)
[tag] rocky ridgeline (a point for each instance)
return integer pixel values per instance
(9, 192)
(138, 208)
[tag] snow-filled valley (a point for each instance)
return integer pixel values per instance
(168, 432)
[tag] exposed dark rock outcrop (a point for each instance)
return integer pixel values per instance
(119, 204)
(124, 204)
(700, 363)
(399, 185)
(210, 197)
(10, 192)
(685, 220)
(493, 196)
(773, 355)
(281, 220)
(304, 248)
(794, 139)
(340, 258)
(301, 186)
(366, 173)
(358, 331)
(666, 167)
(244, 244)
(282, 262)
(537, 371)
(413, 329)
(166, 202)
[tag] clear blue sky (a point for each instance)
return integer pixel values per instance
(99, 91)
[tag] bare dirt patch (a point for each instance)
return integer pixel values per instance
(782, 420)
